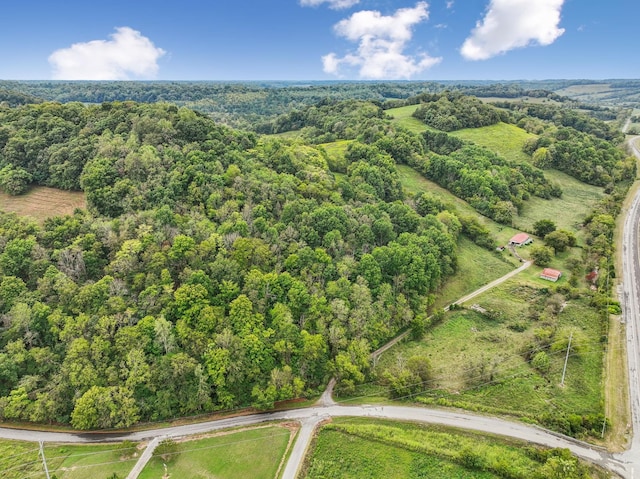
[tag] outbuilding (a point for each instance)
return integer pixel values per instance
(520, 239)
(551, 274)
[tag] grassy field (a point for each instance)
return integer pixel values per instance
(20, 460)
(504, 139)
(340, 454)
(336, 151)
(567, 212)
(414, 182)
(481, 362)
(362, 448)
(604, 93)
(288, 134)
(41, 202)
(248, 454)
(402, 116)
(476, 267)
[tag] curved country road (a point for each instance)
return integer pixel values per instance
(312, 415)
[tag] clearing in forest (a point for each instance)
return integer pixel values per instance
(42, 202)
(503, 139)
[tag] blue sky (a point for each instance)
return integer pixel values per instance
(319, 39)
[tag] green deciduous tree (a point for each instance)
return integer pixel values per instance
(104, 408)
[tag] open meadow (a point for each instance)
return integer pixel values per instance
(403, 116)
(569, 211)
(255, 453)
(19, 460)
(503, 139)
(504, 353)
(378, 449)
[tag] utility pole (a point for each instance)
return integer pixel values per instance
(566, 359)
(44, 461)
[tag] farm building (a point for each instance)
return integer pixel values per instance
(520, 239)
(551, 274)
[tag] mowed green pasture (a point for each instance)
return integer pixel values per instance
(249, 454)
(476, 267)
(481, 361)
(19, 459)
(503, 139)
(403, 116)
(569, 211)
(382, 449)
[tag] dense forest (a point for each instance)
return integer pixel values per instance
(217, 268)
(451, 111)
(247, 104)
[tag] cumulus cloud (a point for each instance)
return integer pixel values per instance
(127, 54)
(510, 24)
(334, 4)
(381, 44)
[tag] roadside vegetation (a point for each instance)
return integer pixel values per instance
(354, 448)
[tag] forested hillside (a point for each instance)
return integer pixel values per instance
(453, 111)
(245, 104)
(216, 268)
(213, 270)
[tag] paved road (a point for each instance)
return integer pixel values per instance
(631, 315)
(145, 457)
(309, 417)
(301, 446)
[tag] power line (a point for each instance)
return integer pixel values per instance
(44, 460)
(564, 369)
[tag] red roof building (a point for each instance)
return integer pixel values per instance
(551, 274)
(520, 239)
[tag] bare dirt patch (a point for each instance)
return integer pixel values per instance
(41, 202)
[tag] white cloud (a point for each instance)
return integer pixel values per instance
(125, 55)
(334, 4)
(381, 44)
(450, 4)
(510, 24)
